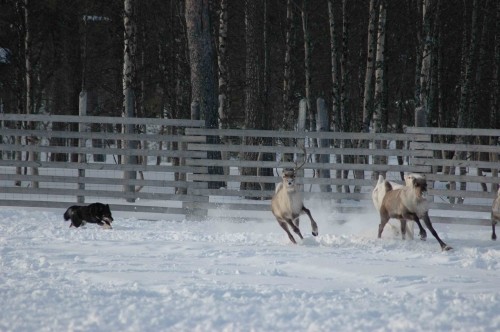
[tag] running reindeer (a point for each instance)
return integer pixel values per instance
(287, 204)
(378, 193)
(408, 203)
(495, 214)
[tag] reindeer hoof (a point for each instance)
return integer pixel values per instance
(494, 237)
(446, 248)
(315, 233)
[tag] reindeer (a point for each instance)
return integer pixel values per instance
(287, 204)
(408, 203)
(495, 215)
(378, 194)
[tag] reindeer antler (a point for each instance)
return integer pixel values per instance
(303, 163)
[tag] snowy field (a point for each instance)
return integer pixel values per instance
(162, 275)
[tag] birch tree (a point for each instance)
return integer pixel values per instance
(370, 65)
(380, 94)
(425, 70)
(32, 155)
(129, 77)
(334, 64)
(222, 61)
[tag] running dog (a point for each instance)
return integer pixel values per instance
(95, 213)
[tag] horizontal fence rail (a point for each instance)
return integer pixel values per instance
(179, 168)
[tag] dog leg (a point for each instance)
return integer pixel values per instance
(75, 222)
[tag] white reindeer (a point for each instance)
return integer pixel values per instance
(495, 215)
(287, 205)
(378, 194)
(410, 204)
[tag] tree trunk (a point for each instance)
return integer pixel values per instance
(380, 102)
(266, 116)
(287, 76)
(469, 54)
(222, 61)
(202, 64)
(494, 95)
(345, 120)
(425, 71)
(334, 63)
(129, 77)
(307, 64)
(464, 118)
(418, 49)
(368, 88)
(370, 64)
(344, 64)
(32, 155)
(252, 85)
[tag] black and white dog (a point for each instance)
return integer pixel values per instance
(96, 213)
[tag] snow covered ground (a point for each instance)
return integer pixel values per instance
(147, 275)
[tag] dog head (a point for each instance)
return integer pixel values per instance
(106, 215)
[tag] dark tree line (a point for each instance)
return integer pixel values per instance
(379, 64)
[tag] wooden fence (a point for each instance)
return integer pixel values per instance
(46, 162)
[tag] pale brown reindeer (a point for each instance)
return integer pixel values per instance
(378, 193)
(495, 215)
(287, 205)
(408, 203)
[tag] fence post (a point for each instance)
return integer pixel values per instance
(301, 142)
(182, 146)
(198, 212)
(322, 125)
(82, 157)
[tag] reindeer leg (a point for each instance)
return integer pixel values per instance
(384, 218)
(294, 228)
(409, 229)
(314, 225)
(428, 224)
(283, 225)
(493, 234)
(422, 233)
(403, 228)
(296, 221)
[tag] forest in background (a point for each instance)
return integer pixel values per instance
(378, 64)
